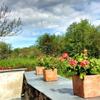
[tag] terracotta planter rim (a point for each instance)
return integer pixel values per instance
(87, 75)
(51, 69)
(39, 66)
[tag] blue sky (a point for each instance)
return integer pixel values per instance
(48, 16)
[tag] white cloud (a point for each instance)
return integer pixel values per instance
(54, 15)
(51, 13)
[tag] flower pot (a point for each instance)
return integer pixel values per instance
(39, 70)
(88, 87)
(50, 75)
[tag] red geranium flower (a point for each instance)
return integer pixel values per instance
(73, 62)
(65, 55)
(84, 63)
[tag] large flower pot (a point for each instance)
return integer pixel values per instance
(50, 74)
(88, 87)
(39, 70)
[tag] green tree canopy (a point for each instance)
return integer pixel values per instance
(50, 44)
(82, 35)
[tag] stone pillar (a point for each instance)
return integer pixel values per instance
(11, 84)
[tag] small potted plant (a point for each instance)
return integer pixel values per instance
(86, 76)
(50, 72)
(40, 66)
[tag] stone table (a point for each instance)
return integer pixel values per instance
(56, 90)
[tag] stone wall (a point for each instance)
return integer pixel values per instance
(33, 94)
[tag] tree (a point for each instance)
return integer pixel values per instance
(82, 35)
(5, 50)
(8, 27)
(49, 44)
(44, 43)
(78, 36)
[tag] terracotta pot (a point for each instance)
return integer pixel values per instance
(39, 70)
(50, 75)
(89, 87)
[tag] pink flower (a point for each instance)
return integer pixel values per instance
(65, 55)
(73, 62)
(84, 63)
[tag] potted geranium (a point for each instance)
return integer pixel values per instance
(50, 72)
(86, 78)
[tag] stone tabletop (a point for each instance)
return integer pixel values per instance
(56, 90)
(12, 70)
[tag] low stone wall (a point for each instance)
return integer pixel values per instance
(11, 84)
(31, 93)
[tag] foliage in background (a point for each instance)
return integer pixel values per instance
(49, 44)
(28, 52)
(5, 50)
(78, 36)
(83, 35)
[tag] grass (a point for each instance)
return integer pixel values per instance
(18, 63)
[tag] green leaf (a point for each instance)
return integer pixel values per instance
(82, 75)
